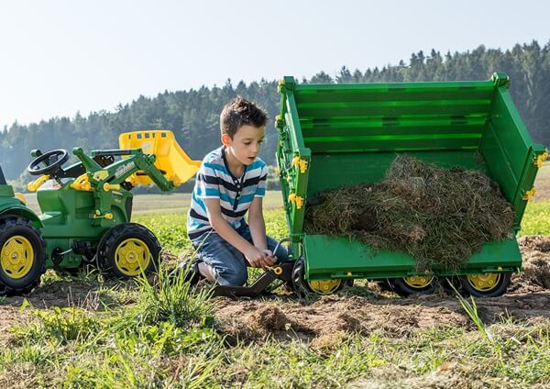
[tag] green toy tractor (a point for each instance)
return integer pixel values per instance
(86, 210)
(22, 254)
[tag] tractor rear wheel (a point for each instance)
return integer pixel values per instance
(128, 250)
(485, 285)
(22, 256)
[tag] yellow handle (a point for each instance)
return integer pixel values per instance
(33, 186)
(302, 163)
(528, 195)
(540, 159)
(107, 187)
(298, 200)
(82, 183)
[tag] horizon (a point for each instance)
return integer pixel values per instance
(90, 57)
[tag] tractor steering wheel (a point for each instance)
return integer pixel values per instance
(52, 159)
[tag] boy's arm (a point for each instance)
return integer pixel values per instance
(255, 257)
(257, 224)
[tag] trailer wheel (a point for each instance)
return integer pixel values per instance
(486, 285)
(406, 286)
(129, 250)
(303, 287)
(451, 284)
(22, 256)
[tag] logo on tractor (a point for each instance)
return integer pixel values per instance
(124, 169)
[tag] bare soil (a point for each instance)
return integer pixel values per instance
(324, 320)
(368, 310)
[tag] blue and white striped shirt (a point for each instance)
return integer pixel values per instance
(215, 181)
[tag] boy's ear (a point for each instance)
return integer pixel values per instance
(226, 140)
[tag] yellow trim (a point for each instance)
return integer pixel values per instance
(107, 187)
(101, 175)
(484, 282)
(17, 257)
(132, 257)
(301, 163)
(540, 159)
(325, 286)
(33, 186)
(418, 282)
(298, 200)
(82, 183)
(278, 120)
(528, 195)
(21, 197)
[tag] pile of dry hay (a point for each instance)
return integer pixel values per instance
(437, 215)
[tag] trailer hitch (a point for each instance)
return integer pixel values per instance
(278, 271)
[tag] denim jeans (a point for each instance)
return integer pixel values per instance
(229, 264)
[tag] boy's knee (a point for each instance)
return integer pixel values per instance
(232, 276)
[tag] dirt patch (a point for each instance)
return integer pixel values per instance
(331, 316)
(325, 320)
(328, 318)
(535, 277)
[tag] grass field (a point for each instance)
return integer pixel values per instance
(87, 332)
(97, 333)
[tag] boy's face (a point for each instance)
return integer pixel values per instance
(246, 143)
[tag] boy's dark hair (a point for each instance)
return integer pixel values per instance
(239, 112)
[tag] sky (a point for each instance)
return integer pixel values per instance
(60, 57)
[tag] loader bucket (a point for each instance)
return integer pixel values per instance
(174, 163)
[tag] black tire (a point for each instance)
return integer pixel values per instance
(116, 238)
(451, 284)
(301, 286)
(10, 285)
(497, 290)
(403, 289)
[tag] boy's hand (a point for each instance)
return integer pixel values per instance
(257, 258)
(270, 257)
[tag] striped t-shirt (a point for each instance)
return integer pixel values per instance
(215, 181)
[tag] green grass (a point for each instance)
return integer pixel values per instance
(166, 337)
(77, 348)
(536, 220)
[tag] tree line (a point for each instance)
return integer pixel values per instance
(193, 115)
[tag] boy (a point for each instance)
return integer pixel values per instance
(230, 182)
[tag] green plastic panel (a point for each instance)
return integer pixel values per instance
(329, 257)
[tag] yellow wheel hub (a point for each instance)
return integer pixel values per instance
(132, 257)
(17, 257)
(484, 282)
(418, 282)
(325, 286)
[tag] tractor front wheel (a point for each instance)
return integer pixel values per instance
(22, 256)
(129, 250)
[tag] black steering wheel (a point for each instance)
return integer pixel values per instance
(52, 159)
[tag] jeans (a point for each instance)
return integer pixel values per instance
(229, 264)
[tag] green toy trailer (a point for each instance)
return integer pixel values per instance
(333, 135)
(86, 210)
